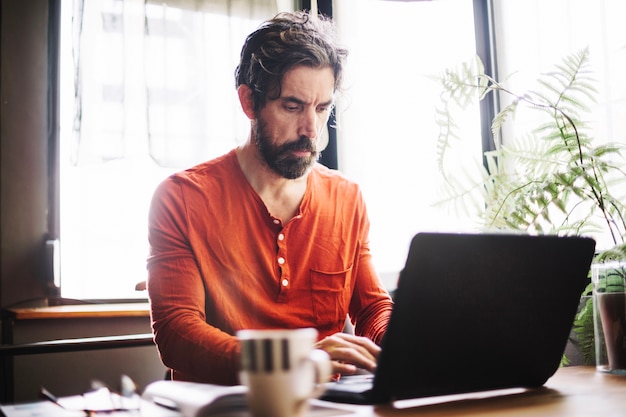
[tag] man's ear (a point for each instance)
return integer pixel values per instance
(246, 100)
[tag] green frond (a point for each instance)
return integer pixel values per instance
(464, 194)
(550, 87)
(571, 105)
(553, 179)
(586, 89)
(502, 117)
(618, 252)
(584, 329)
(461, 86)
(608, 149)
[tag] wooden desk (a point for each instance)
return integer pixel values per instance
(572, 392)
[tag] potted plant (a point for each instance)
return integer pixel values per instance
(555, 178)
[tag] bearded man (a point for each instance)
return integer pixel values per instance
(265, 236)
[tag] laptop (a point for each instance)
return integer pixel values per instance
(475, 312)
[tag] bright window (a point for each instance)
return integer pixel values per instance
(105, 192)
(387, 131)
(386, 134)
(533, 36)
(148, 89)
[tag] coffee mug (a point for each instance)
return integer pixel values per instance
(282, 370)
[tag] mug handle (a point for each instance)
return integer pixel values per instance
(323, 371)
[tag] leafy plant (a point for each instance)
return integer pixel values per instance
(583, 327)
(554, 179)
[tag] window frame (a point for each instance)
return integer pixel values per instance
(54, 136)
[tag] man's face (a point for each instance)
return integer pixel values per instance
(288, 129)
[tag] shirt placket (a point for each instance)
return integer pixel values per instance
(284, 277)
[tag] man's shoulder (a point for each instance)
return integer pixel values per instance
(328, 174)
(216, 168)
(333, 179)
(208, 177)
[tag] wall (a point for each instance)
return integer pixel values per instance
(23, 152)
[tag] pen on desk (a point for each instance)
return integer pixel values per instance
(47, 395)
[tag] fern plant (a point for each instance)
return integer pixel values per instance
(555, 179)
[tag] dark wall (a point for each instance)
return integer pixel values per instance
(23, 151)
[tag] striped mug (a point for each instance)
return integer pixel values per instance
(282, 370)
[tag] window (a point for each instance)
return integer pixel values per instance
(140, 77)
(148, 89)
(560, 28)
(387, 131)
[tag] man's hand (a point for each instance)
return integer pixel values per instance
(349, 352)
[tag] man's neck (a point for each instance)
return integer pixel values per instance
(281, 196)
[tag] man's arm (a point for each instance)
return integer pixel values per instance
(186, 343)
(370, 310)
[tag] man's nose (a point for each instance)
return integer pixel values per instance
(309, 124)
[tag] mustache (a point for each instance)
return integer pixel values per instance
(302, 144)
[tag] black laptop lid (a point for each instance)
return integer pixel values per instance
(481, 311)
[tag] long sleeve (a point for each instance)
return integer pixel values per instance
(186, 342)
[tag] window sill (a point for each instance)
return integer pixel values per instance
(12, 316)
(110, 310)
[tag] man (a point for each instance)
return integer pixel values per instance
(264, 236)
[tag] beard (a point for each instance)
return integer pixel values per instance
(279, 158)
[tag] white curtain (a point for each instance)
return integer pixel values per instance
(147, 89)
(150, 78)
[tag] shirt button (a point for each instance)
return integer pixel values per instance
(281, 260)
(281, 237)
(276, 221)
(285, 282)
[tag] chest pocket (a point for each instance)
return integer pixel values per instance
(331, 298)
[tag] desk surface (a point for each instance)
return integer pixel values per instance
(571, 392)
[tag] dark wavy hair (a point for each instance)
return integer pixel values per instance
(282, 43)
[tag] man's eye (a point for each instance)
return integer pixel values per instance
(325, 109)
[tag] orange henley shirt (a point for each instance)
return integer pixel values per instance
(220, 262)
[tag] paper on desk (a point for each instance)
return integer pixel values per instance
(205, 400)
(49, 409)
(38, 409)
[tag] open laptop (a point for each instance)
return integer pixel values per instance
(476, 312)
